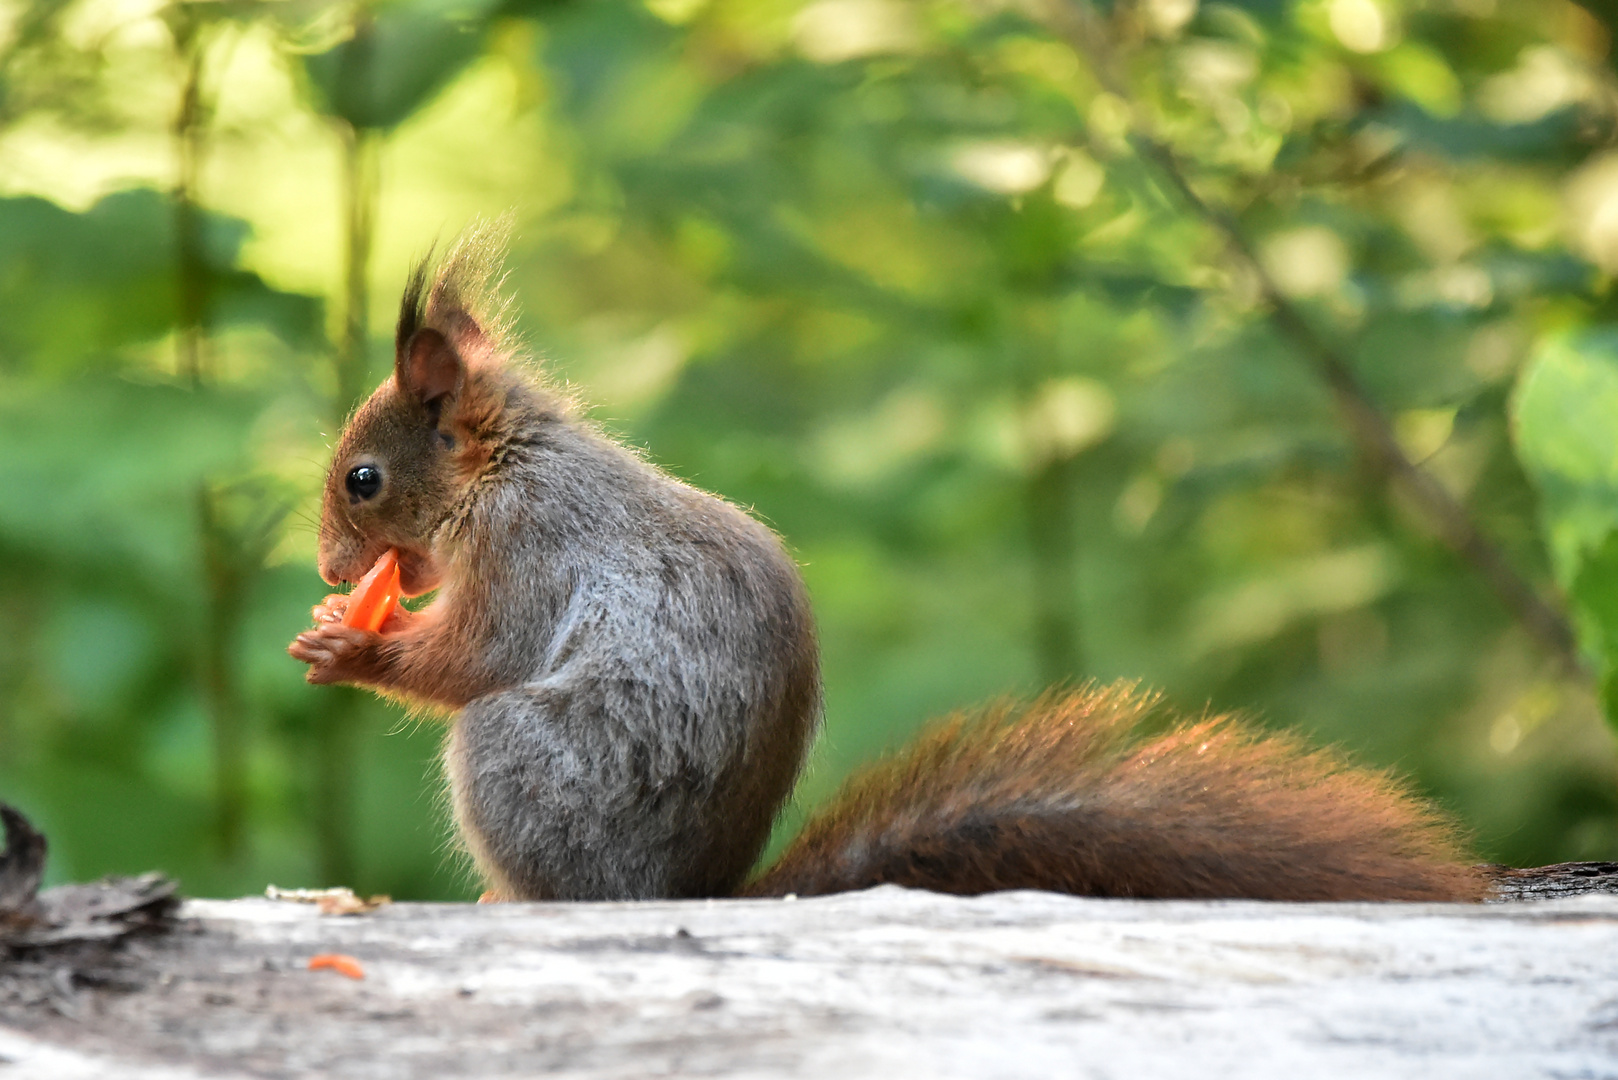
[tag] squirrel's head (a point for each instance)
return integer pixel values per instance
(410, 455)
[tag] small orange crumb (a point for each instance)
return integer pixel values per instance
(339, 962)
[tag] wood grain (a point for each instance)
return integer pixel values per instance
(884, 984)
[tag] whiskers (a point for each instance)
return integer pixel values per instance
(304, 522)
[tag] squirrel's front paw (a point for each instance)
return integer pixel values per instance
(331, 609)
(335, 607)
(337, 653)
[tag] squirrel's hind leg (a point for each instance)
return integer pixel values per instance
(554, 800)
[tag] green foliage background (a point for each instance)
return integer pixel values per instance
(909, 278)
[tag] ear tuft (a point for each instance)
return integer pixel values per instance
(429, 369)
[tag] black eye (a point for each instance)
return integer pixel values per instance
(364, 481)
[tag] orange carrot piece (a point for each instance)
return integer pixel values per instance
(341, 963)
(377, 594)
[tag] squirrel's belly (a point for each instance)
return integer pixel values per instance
(551, 805)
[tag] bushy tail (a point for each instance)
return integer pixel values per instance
(1090, 792)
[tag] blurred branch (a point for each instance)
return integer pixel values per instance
(1049, 503)
(1088, 35)
(334, 748)
(360, 190)
(240, 525)
(228, 565)
(335, 757)
(332, 801)
(1053, 538)
(189, 131)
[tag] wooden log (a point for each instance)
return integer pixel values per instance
(1552, 882)
(882, 984)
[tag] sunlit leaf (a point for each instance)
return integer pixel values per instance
(78, 285)
(1567, 438)
(397, 58)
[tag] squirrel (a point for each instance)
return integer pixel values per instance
(633, 673)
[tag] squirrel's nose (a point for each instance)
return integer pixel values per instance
(327, 573)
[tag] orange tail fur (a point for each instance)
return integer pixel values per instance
(1087, 792)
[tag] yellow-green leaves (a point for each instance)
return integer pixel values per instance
(1566, 428)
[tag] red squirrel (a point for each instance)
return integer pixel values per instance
(634, 678)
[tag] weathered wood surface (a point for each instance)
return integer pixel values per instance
(1554, 881)
(884, 984)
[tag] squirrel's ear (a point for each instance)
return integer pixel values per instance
(429, 369)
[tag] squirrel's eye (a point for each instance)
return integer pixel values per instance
(363, 481)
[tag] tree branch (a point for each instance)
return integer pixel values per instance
(1085, 32)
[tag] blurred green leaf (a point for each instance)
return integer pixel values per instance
(1464, 137)
(397, 58)
(76, 286)
(104, 473)
(1567, 437)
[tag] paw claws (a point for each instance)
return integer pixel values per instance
(334, 652)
